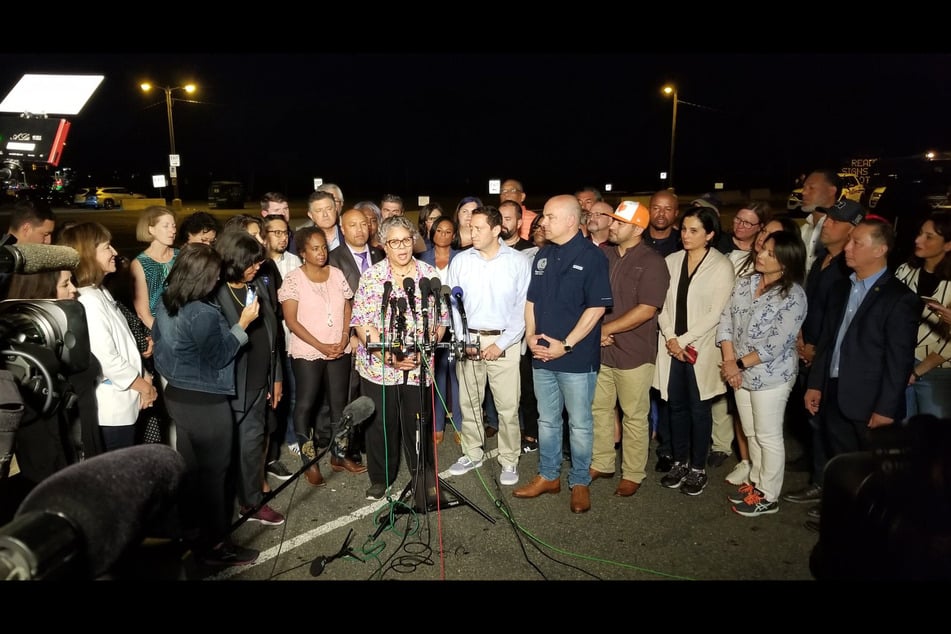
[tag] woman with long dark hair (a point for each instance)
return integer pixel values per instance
(195, 351)
(928, 273)
(757, 338)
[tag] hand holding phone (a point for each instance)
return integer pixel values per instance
(691, 353)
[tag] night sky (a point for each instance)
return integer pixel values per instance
(413, 124)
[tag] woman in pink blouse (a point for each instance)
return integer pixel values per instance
(316, 302)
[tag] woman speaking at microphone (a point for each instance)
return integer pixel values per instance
(388, 310)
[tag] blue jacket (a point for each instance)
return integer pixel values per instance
(196, 349)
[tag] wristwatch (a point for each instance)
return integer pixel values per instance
(568, 348)
(739, 363)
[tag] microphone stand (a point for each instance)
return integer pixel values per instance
(426, 498)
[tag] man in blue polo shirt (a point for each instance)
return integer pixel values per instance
(567, 296)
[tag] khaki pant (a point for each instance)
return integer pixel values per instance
(630, 388)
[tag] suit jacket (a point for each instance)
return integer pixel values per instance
(878, 348)
(275, 335)
(343, 260)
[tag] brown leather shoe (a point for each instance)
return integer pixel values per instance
(346, 464)
(595, 474)
(626, 488)
(314, 477)
(580, 499)
(490, 431)
(538, 486)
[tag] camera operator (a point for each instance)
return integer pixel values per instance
(30, 223)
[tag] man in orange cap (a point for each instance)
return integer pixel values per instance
(639, 280)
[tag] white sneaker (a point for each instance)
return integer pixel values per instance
(463, 465)
(740, 474)
(294, 448)
(509, 475)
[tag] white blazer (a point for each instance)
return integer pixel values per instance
(710, 290)
(114, 347)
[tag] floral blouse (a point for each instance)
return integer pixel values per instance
(367, 311)
(768, 325)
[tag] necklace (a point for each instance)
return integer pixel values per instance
(238, 301)
(407, 273)
(322, 292)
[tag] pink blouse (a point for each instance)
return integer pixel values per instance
(318, 306)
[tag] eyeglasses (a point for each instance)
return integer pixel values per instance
(279, 232)
(511, 190)
(744, 223)
(397, 244)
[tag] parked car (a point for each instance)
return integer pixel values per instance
(226, 195)
(79, 196)
(109, 197)
(852, 188)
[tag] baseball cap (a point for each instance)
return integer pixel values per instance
(707, 200)
(846, 211)
(633, 213)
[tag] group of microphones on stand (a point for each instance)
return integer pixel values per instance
(401, 341)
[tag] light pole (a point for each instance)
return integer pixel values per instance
(189, 88)
(670, 89)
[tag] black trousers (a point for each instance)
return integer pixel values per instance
(399, 420)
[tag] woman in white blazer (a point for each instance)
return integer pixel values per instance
(687, 372)
(123, 388)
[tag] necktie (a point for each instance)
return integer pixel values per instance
(363, 262)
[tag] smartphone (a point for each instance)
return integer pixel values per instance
(249, 298)
(691, 353)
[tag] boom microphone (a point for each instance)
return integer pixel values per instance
(37, 258)
(77, 523)
(353, 414)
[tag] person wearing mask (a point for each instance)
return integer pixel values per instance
(124, 388)
(195, 350)
(687, 371)
(391, 375)
(757, 339)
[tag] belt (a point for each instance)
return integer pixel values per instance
(485, 333)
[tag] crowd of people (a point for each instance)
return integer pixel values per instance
(589, 333)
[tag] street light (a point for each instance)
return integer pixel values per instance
(189, 88)
(670, 89)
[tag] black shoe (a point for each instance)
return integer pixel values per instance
(228, 554)
(813, 513)
(812, 525)
(277, 470)
(664, 463)
(812, 493)
(717, 458)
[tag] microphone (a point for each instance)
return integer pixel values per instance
(387, 289)
(425, 290)
(409, 287)
(424, 293)
(80, 521)
(37, 258)
(434, 285)
(457, 293)
(355, 413)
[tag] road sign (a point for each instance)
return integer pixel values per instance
(173, 171)
(175, 160)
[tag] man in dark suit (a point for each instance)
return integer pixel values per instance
(353, 256)
(866, 351)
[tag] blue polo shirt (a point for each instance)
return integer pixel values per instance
(566, 280)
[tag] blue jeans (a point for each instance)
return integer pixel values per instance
(931, 394)
(447, 390)
(573, 391)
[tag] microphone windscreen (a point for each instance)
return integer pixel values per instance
(457, 292)
(424, 289)
(434, 285)
(445, 290)
(360, 409)
(112, 498)
(39, 258)
(409, 285)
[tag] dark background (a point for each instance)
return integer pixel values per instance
(413, 123)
